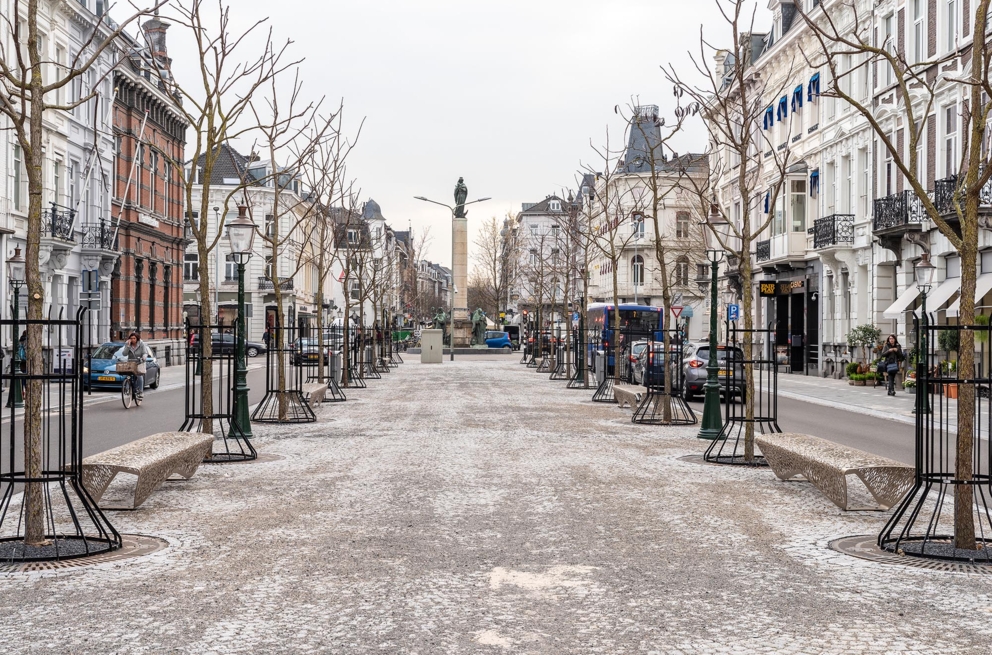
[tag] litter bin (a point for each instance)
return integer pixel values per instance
(600, 363)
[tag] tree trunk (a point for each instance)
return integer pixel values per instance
(747, 300)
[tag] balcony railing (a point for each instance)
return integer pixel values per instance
(898, 210)
(833, 230)
(57, 223)
(265, 284)
(946, 191)
(98, 236)
(763, 251)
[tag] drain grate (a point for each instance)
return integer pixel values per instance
(866, 547)
(133, 545)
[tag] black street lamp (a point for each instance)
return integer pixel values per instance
(15, 277)
(241, 237)
(923, 271)
(716, 231)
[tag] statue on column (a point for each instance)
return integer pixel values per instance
(461, 193)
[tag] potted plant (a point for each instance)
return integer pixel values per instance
(851, 370)
(858, 379)
(864, 337)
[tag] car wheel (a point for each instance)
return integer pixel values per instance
(686, 394)
(158, 378)
(252, 351)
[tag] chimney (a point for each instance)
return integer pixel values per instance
(154, 30)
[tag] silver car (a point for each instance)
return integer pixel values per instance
(696, 356)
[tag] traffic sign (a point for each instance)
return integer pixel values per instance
(677, 298)
(733, 312)
(676, 309)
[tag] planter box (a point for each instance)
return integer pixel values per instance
(859, 383)
(951, 390)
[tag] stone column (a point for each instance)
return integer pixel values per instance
(461, 321)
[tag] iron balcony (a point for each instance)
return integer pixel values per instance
(899, 212)
(265, 284)
(57, 223)
(834, 230)
(98, 236)
(947, 197)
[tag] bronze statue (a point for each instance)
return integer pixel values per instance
(461, 193)
(478, 327)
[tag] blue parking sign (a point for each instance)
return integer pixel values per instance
(733, 312)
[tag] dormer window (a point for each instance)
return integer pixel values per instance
(555, 205)
(352, 237)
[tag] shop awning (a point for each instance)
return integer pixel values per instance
(940, 295)
(982, 286)
(904, 300)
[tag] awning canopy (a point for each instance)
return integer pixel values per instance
(904, 300)
(942, 294)
(982, 286)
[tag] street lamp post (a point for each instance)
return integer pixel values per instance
(454, 289)
(923, 271)
(241, 237)
(715, 231)
(15, 277)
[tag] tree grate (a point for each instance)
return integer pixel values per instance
(866, 547)
(133, 545)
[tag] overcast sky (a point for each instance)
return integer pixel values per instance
(506, 94)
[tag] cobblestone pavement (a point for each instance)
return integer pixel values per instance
(476, 507)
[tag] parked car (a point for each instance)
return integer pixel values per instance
(225, 344)
(628, 356)
(308, 351)
(697, 357)
(100, 371)
(649, 366)
(499, 340)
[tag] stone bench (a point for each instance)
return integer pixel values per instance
(628, 395)
(152, 459)
(314, 392)
(827, 464)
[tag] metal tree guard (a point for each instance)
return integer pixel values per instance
(283, 401)
(221, 421)
(330, 359)
(74, 525)
(654, 403)
(922, 524)
(580, 380)
(730, 446)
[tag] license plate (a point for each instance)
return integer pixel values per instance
(721, 372)
(314, 356)
(106, 378)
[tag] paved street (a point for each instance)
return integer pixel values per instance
(479, 508)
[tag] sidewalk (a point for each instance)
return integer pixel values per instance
(476, 507)
(838, 394)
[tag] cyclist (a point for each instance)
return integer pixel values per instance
(135, 350)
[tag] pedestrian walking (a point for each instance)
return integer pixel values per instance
(891, 356)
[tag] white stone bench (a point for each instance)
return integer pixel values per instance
(152, 459)
(314, 392)
(628, 395)
(827, 464)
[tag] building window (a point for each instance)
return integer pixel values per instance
(356, 290)
(191, 266)
(888, 31)
(139, 156)
(17, 177)
(798, 204)
(352, 237)
(950, 25)
(57, 181)
(153, 180)
(637, 225)
(682, 222)
(555, 205)
(533, 230)
(950, 139)
(778, 221)
(682, 271)
(637, 270)
(919, 31)
(230, 269)
(888, 169)
(268, 267)
(270, 227)
(71, 172)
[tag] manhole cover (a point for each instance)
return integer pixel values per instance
(133, 545)
(866, 547)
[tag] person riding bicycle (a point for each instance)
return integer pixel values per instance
(135, 350)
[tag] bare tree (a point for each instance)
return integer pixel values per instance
(742, 158)
(496, 257)
(842, 31)
(214, 107)
(28, 94)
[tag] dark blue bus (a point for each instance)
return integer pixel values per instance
(643, 320)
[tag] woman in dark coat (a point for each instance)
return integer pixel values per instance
(891, 356)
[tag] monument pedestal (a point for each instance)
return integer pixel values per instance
(462, 325)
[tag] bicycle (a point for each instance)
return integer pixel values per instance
(129, 388)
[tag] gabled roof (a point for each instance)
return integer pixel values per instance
(543, 207)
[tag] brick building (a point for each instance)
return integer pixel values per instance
(150, 136)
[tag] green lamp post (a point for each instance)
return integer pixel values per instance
(15, 277)
(923, 271)
(241, 237)
(716, 231)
